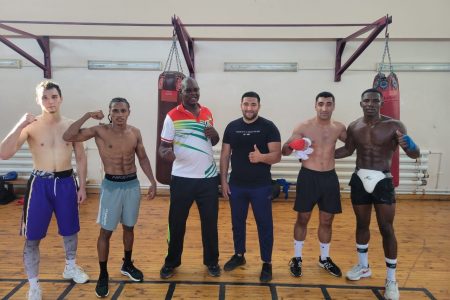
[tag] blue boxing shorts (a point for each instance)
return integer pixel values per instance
(49, 192)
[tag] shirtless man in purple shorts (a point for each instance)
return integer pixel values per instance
(52, 186)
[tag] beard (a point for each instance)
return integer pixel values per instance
(251, 118)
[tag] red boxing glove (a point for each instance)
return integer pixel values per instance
(297, 144)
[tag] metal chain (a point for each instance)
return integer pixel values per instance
(169, 58)
(177, 56)
(173, 49)
(389, 54)
(386, 50)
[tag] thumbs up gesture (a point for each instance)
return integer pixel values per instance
(406, 142)
(255, 156)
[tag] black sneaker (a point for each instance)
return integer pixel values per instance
(214, 270)
(266, 272)
(234, 262)
(101, 289)
(330, 266)
(166, 272)
(295, 264)
(128, 269)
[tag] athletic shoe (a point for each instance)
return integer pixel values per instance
(75, 273)
(166, 272)
(35, 293)
(214, 270)
(330, 266)
(128, 269)
(102, 289)
(296, 266)
(358, 272)
(266, 272)
(391, 292)
(234, 262)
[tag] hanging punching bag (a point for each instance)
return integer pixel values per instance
(169, 86)
(389, 88)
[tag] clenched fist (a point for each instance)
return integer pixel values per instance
(97, 115)
(27, 119)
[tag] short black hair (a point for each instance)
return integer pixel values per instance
(48, 85)
(325, 95)
(119, 100)
(372, 90)
(251, 95)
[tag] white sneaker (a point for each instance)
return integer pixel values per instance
(357, 272)
(391, 292)
(75, 273)
(35, 293)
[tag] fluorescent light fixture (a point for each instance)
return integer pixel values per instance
(124, 65)
(11, 63)
(417, 67)
(260, 67)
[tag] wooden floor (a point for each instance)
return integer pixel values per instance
(422, 228)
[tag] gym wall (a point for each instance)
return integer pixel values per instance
(286, 97)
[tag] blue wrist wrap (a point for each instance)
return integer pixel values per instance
(410, 145)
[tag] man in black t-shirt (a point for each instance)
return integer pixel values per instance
(253, 144)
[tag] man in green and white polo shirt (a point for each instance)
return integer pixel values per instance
(187, 138)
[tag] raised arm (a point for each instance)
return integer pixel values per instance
(77, 134)
(144, 162)
(224, 165)
(16, 137)
(81, 159)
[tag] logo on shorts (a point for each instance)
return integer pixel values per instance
(105, 216)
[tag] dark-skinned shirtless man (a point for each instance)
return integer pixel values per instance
(375, 138)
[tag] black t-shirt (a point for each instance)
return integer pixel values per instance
(242, 137)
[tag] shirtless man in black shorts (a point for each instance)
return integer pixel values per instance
(317, 180)
(375, 138)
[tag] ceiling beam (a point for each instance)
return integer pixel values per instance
(44, 44)
(376, 28)
(186, 44)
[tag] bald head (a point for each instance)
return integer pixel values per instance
(190, 93)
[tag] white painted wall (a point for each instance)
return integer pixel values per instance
(421, 33)
(287, 98)
(412, 19)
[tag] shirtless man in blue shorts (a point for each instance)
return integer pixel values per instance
(52, 186)
(375, 138)
(118, 144)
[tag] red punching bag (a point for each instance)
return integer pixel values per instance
(169, 86)
(389, 88)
